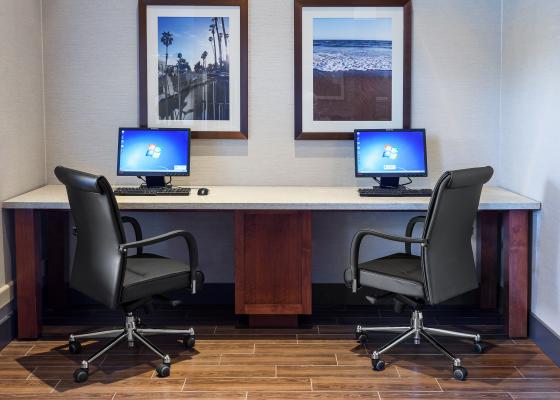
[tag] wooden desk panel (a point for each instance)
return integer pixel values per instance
(273, 264)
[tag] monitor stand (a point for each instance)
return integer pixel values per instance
(389, 183)
(155, 181)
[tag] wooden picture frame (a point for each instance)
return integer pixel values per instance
(213, 124)
(332, 134)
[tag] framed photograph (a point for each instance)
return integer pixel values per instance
(193, 66)
(352, 66)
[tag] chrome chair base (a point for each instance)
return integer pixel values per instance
(417, 331)
(131, 332)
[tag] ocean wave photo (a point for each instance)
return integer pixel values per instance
(352, 55)
(352, 69)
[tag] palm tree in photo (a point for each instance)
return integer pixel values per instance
(180, 64)
(203, 56)
(167, 40)
(226, 36)
(220, 35)
(212, 40)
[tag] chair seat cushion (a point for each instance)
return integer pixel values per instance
(398, 273)
(149, 274)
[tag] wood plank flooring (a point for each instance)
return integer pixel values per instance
(320, 361)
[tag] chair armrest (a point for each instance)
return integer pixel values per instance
(191, 245)
(137, 231)
(409, 228)
(355, 250)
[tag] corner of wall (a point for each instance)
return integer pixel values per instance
(41, 4)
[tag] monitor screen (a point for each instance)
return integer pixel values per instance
(153, 152)
(390, 153)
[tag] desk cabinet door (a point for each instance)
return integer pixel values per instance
(273, 262)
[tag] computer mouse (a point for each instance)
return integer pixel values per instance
(202, 191)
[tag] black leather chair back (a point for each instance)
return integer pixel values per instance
(98, 263)
(447, 260)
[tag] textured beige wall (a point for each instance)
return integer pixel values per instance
(529, 136)
(22, 144)
(91, 89)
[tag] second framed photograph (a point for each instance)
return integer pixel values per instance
(352, 66)
(193, 66)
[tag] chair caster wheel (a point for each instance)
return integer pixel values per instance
(460, 373)
(189, 341)
(362, 337)
(479, 347)
(378, 365)
(81, 375)
(163, 370)
(74, 347)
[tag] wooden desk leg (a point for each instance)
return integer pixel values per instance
(273, 266)
(28, 284)
(516, 271)
(487, 245)
(57, 259)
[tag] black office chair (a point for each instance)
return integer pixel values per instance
(105, 272)
(445, 268)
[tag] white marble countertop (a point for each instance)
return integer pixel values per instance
(270, 198)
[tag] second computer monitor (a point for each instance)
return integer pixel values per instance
(392, 153)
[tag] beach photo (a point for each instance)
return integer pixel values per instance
(194, 68)
(352, 69)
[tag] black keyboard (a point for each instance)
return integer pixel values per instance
(158, 191)
(394, 192)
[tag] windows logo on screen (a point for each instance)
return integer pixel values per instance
(390, 152)
(154, 151)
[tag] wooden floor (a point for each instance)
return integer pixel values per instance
(318, 361)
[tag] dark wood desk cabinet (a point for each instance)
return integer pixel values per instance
(273, 266)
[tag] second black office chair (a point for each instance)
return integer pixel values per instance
(104, 271)
(444, 269)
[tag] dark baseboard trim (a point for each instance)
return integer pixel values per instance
(324, 294)
(333, 294)
(7, 329)
(545, 338)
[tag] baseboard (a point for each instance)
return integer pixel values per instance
(211, 294)
(331, 294)
(324, 294)
(7, 327)
(545, 338)
(6, 293)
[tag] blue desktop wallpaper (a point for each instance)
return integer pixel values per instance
(390, 152)
(154, 151)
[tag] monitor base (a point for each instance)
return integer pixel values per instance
(155, 181)
(391, 183)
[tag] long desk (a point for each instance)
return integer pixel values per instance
(272, 233)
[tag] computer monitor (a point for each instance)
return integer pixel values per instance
(153, 153)
(390, 154)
